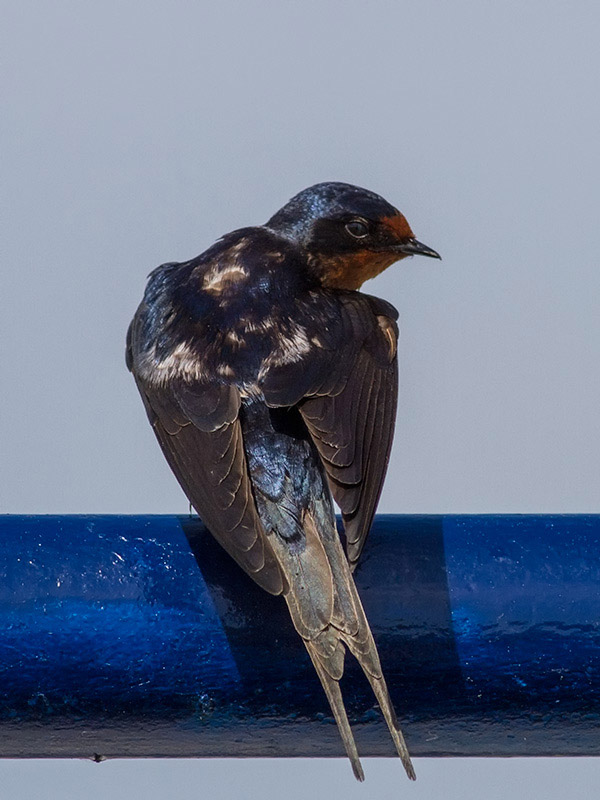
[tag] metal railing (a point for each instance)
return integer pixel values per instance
(138, 636)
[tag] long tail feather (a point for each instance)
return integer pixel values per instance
(368, 658)
(343, 625)
(336, 701)
(380, 691)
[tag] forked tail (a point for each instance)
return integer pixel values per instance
(333, 625)
(330, 674)
(296, 510)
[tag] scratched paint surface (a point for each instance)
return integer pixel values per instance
(525, 598)
(105, 612)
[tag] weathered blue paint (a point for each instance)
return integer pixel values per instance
(105, 610)
(525, 598)
(130, 636)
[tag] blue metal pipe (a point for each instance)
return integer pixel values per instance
(138, 636)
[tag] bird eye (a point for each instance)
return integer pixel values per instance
(357, 228)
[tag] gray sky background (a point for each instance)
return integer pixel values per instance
(133, 133)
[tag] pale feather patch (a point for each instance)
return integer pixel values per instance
(251, 326)
(225, 371)
(251, 391)
(291, 347)
(390, 334)
(294, 346)
(218, 278)
(234, 339)
(225, 273)
(182, 362)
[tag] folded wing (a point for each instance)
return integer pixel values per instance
(198, 428)
(346, 389)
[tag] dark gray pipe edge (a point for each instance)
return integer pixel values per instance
(137, 636)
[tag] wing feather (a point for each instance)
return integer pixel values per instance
(349, 405)
(201, 438)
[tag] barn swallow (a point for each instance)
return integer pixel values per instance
(271, 384)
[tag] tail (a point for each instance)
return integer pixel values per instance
(334, 623)
(336, 701)
(294, 503)
(363, 648)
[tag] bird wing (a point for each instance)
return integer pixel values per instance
(198, 428)
(346, 388)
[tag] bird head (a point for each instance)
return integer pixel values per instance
(349, 234)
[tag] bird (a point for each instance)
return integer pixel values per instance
(271, 384)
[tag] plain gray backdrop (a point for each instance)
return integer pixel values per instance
(135, 133)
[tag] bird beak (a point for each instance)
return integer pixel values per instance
(414, 248)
